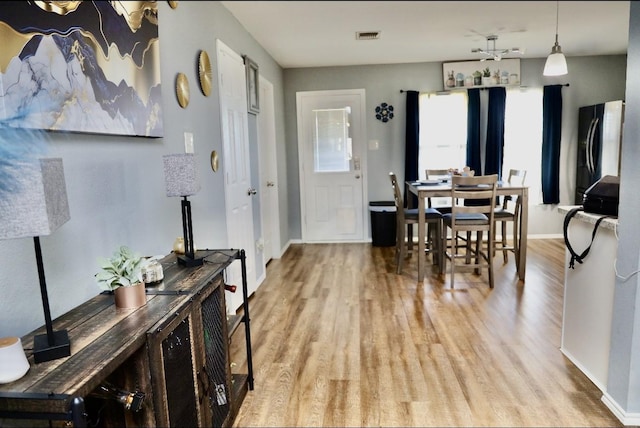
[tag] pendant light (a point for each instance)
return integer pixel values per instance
(556, 64)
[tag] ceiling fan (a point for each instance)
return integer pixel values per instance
(492, 52)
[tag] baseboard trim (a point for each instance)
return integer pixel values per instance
(602, 387)
(287, 245)
(546, 236)
(627, 419)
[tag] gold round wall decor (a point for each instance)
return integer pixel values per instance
(182, 90)
(204, 72)
(214, 161)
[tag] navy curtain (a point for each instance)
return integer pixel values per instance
(494, 150)
(473, 130)
(412, 140)
(551, 133)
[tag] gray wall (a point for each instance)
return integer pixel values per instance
(592, 80)
(115, 184)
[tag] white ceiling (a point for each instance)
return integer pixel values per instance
(322, 33)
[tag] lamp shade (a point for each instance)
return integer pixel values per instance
(13, 361)
(556, 65)
(180, 174)
(39, 205)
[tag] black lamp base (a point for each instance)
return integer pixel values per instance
(42, 351)
(190, 257)
(190, 262)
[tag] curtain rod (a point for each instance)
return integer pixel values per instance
(405, 90)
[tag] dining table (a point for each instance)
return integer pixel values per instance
(441, 187)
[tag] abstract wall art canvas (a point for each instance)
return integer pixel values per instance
(81, 66)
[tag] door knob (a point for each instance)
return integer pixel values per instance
(251, 191)
(357, 176)
(270, 184)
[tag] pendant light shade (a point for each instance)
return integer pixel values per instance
(556, 64)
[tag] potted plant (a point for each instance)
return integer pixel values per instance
(122, 274)
(477, 78)
(486, 77)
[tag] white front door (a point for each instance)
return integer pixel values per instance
(269, 207)
(236, 168)
(331, 145)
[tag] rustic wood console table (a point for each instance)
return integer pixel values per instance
(174, 351)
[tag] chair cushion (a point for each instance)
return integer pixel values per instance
(429, 213)
(466, 218)
(502, 213)
(443, 209)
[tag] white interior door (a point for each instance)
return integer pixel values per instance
(331, 152)
(236, 168)
(269, 208)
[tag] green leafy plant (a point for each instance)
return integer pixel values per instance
(486, 72)
(123, 269)
(477, 73)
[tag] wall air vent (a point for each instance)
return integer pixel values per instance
(367, 35)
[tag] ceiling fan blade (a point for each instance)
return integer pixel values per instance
(484, 36)
(492, 52)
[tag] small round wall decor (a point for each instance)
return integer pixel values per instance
(384, 112)
(182, 90)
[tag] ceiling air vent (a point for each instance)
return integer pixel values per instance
(367, 35)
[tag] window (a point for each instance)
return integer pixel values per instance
(443, 134)
(331, 141)
(523, 137)
(443, 131)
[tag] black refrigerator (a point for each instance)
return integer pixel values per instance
(599, 139)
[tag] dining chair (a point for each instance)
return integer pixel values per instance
(431, 174)
(409, 216)
(478, 217)
(509, 212)
(440, 205)
(443, 205)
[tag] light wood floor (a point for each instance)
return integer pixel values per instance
(340, 340)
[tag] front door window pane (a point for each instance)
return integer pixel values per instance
(331, 142)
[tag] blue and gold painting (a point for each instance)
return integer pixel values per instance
(81, 66)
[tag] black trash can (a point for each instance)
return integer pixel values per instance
(383, 223)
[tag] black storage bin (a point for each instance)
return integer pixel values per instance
(383, 223)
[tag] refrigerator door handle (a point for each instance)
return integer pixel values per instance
(591, 145)
(589, 148)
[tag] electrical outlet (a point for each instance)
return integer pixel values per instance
(188, 142)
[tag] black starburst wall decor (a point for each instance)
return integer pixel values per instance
(384, 112)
